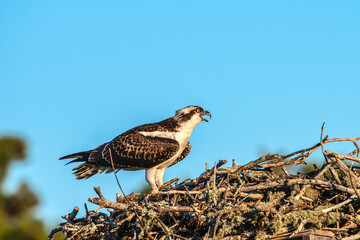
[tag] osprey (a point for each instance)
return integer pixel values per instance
(150, 147)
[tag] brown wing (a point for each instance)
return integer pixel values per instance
(135, 151)
(183, 154)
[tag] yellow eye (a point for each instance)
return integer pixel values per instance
(198, 110)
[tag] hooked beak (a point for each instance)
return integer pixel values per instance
(205, 113)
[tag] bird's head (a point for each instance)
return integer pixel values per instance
(192, 115)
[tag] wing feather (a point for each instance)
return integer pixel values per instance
(183, 154)
(135, 151)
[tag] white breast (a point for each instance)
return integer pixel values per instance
(182, 137)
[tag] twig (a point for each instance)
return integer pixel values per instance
(353, 183)
(299, 228)
(350, 199)
(168, 183)
(164, 227)
(342, 166)
(70, 217)
(104, 203)
(318, 175)
(352, 237)
(317, 182)
(283, 168)
(176, 209)
(87, 212)
(117, 180)
(98, 192)
(220, 214)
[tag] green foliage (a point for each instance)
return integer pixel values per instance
(11, 149)
(16, 210)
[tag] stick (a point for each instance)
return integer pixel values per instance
(339, 204)
(70, 217)
(352, 183)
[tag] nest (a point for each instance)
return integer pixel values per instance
(238, 202)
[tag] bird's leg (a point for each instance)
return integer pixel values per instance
(159, 176)
(150, 175)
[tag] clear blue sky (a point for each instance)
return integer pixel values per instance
(75, 74)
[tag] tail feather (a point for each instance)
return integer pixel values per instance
(77, 160)
(79, 155)
(85, 170)
(93, 162)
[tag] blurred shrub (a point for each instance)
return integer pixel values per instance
(16, 210)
